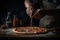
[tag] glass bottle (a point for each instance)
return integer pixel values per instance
(15, 21)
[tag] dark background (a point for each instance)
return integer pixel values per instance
(5, 5)
(10, 6)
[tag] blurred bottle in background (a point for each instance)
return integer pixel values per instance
(15, 21)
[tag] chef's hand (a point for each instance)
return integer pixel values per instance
(29, 13)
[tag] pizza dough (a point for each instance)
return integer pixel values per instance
(29, 30)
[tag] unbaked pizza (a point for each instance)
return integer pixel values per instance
(29, 30)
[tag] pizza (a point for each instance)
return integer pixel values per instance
(29, 30)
